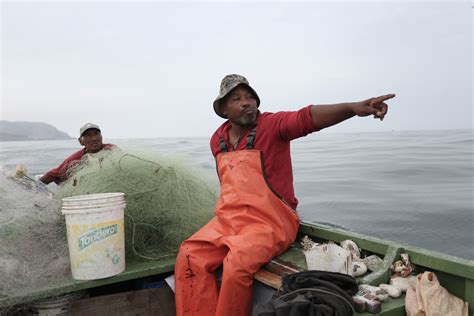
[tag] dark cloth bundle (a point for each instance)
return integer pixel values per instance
(312, 293)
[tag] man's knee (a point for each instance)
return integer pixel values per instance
(191, 258)
(241, 269)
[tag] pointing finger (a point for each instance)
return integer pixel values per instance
(383, 98)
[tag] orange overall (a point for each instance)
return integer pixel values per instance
(251, 226)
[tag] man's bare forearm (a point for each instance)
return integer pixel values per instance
(331, 114)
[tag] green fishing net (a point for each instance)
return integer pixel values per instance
(167, 201)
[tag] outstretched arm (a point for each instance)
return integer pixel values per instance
(331, 114)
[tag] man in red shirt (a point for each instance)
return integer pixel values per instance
(255, 218)
(91, 138)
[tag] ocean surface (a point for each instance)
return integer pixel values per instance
(411, 187)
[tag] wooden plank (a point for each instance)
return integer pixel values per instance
(281, 268)
(271, 274)
(157, 301)
(268, 278)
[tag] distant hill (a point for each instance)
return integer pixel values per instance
(15, 131)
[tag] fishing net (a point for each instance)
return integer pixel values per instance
(167, 201)
(33, 245)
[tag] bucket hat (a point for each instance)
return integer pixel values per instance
(227, 84)
(88, 126)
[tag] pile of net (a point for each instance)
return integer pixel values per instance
(167, 201)
(33, 245)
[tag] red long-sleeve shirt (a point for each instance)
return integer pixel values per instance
(60, 173)
(273, 135)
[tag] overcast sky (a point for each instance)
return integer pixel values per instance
(153, 69)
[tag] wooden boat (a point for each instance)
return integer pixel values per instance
(455, 274)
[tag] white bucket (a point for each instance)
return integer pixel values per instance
(95, 234)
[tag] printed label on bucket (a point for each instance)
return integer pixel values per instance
(96, 235)
(97, 248)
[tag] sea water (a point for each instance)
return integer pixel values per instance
(413, 187)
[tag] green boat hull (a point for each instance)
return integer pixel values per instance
(455, 274)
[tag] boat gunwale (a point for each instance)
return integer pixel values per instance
(135, 270)
(420, 256)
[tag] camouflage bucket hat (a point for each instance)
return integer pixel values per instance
(227, 84)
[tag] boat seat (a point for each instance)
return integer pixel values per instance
(291, 261)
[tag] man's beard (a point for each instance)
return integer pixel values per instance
(246, 121)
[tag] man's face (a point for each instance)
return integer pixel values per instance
(240, 106)
(92, 140)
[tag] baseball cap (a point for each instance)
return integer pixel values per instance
(88, 126)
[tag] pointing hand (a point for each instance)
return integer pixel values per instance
(373, 106)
